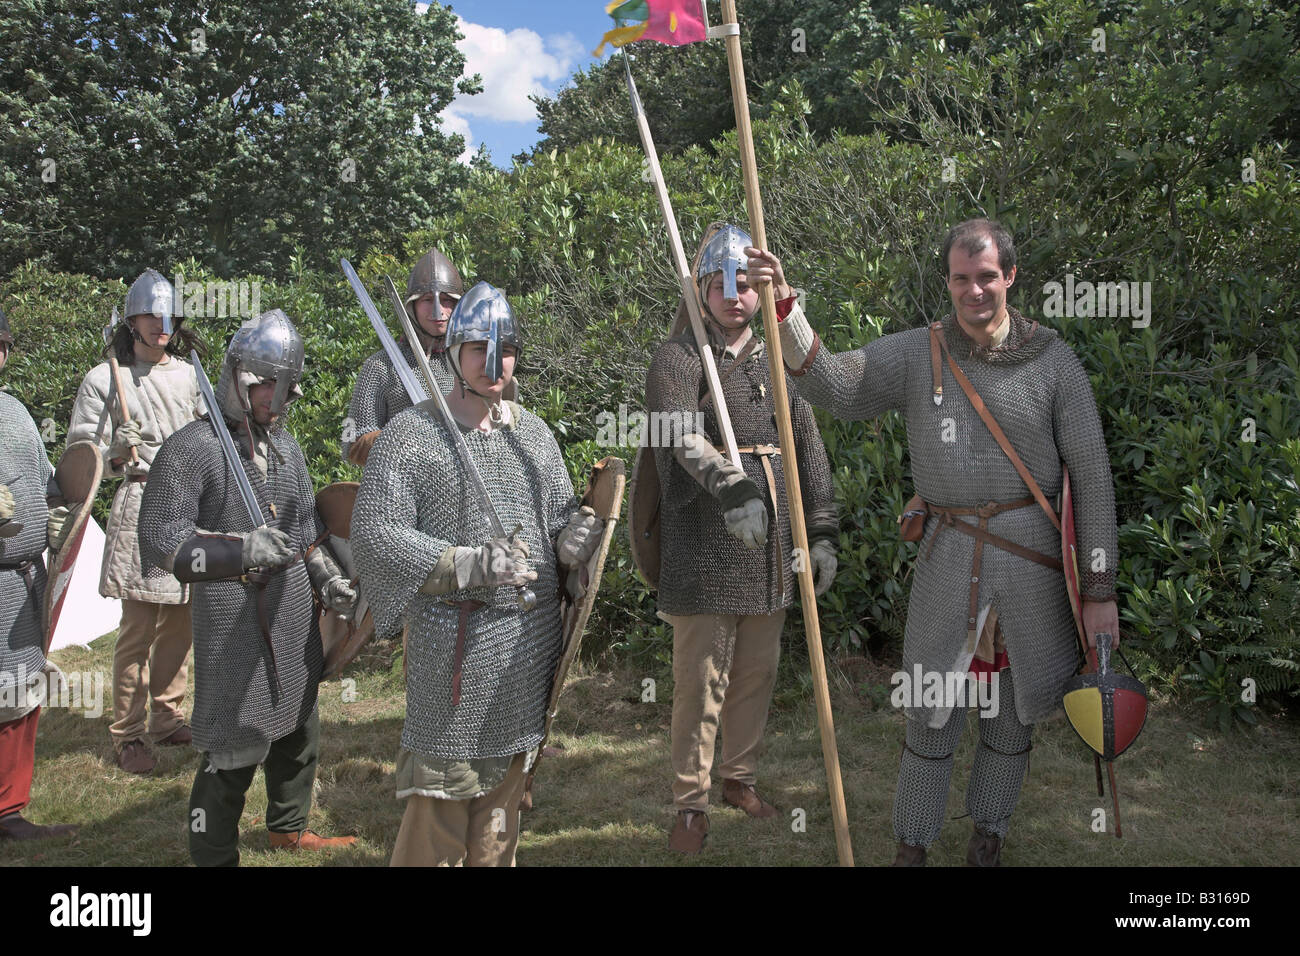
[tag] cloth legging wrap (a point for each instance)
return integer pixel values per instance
(1001, 760)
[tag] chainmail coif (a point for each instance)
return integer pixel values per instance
(414, 503)
(1038, 392)
(705, 569)
(191, 487)
(26, 470)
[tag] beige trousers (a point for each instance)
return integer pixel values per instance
(479, 832)
(724, 668)
(149, 671)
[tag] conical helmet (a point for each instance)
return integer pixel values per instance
(433, 275)
(263, 348)
(724, 252)
(483, 315)
(152, 293)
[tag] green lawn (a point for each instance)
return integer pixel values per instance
(1191, 796)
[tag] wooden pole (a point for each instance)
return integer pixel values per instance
(684, 278)
(776, 364)
(117, 381)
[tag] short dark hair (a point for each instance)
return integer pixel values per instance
(973, 235)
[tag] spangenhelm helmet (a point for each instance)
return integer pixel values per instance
(263, 348)
(152, 293)
(725, 253)
(483, 315)
(433, 275)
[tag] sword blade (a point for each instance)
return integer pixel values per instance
(414, 390)
(227, 444)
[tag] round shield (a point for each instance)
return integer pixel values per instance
(1107, 710)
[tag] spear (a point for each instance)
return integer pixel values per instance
(730, 30)
(117, 376)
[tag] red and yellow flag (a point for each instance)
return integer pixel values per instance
(675, 22)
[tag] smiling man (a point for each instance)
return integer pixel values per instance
(986, 598)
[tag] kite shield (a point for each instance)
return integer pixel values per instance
(643, 514)
(342, 640)
(604, 495)
(78, 474)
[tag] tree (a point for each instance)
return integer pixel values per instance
(233, 132)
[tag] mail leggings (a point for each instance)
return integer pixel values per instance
(1001, 760)
(217, 800)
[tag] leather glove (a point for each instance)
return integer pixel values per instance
(580, 537)
(57, 527)
(824, 565)
(748, 523)
(267, 548)
(339, 594)
(6, 503)
(500, 562)
(126, 437)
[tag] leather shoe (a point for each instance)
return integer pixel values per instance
(909, 855)
(744, 795)
(984, 849)
(135, 758)
(179, 737)
(14, 827)
(308, 840)
(689, 832)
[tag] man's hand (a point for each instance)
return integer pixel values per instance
(1101, 617)
(501, 562)
(764, 268)
(6, 503)
(748, 523)
(57, 527)
(824, 565)
(580, 537)
(126, 437)
(267, 548)
(339, 594)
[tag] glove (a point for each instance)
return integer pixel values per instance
(502, 561)
(126, 437)
(57, 527)
(6, 503)
(824, 564)
(266, 548)
(579, 539)
(339, 594)
(748, 523)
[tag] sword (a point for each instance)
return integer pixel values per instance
(414, 390)
(526, 599)
(227, 444)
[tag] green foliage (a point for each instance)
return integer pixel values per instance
(231, 132)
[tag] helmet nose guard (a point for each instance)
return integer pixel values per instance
(725, 253)
(484, 315)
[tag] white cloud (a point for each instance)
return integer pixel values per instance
(513, 64)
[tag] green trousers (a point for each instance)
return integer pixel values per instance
(217, 799)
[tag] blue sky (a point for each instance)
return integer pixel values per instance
(519, 47)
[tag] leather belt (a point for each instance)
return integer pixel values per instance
(765, 453)
(466, 609)
(983, 536)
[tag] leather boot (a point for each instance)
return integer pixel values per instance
(179, 737)
(984, 849)
(308, 840)
(14, 827)
(744, 795)
(135, 758)
(909, 855)
(689, 832)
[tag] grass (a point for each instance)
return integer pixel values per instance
(1190, 795)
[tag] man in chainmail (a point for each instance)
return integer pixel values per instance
(988, 547)
(479, 669)
(727, 572)
(153, 639)
(257, 647)
(31, 516)
(432, 291)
